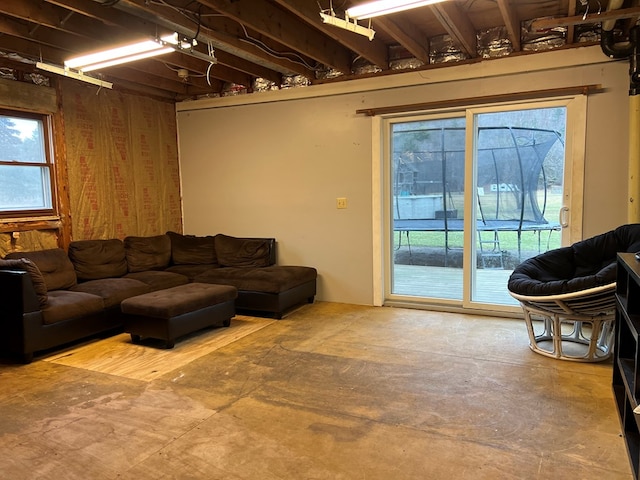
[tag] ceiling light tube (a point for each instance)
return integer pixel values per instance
(130, 58)
(114, 53)
(384, 7)
(137, 51)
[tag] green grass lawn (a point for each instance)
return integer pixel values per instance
(508, 240)
(531, 243)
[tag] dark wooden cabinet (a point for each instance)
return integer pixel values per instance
(626, 365)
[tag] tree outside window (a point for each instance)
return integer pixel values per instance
(26, 167)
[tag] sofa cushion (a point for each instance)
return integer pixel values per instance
(66, 305)
(272, 279)
(242, 252)
(191, 271)
(55, 266)
(157, 280)
(192, 250)
(180, 300)
(26, 265)
(147, 253)
(95, 259)
(112, 291)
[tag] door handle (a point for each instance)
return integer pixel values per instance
(562, 217)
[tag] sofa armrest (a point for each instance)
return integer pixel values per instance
(17, 294)
(20, 317)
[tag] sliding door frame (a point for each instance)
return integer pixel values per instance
(382, 220)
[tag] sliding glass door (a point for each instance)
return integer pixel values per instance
(427, 200)
(469, 195)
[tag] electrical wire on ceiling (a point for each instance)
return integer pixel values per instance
(211, 54)
(585, 3)
(274, 53)
(196, 17)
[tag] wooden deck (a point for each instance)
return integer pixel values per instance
(446, 282)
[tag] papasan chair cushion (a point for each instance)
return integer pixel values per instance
(585, 264)
(571, 292)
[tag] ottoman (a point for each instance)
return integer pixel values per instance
(173, 312)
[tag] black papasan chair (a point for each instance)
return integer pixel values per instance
(568, 295)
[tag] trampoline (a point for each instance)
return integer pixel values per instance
(512, 183)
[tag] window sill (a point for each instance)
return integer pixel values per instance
(26, 224)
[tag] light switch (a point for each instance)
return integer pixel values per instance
(341, 202)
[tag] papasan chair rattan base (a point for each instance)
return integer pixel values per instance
(574, 326)
(568, 296)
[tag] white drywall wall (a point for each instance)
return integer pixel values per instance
(272, 164)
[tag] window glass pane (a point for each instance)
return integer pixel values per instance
(21, 140)
(25, 166)
(24, 188)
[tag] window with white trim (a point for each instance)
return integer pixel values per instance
(27, 185)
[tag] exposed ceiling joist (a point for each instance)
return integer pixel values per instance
(375, 51)
(458, 26)
(266, 18)
(543, 23)
(282, 42)
(408, 36)
(223, 36)
(511, 23)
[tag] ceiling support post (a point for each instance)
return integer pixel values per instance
(623, 50)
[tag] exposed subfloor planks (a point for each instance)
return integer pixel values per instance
(332, 391)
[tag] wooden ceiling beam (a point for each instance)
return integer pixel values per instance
(32, 11)
(458, 25)
(43, 35)
(32, 50)
(223, 71)
(111, 17)
(39, 14)
(166, 67)
(230, 50)
(125, 85)
(135, 75)
(206, 35)
(409, 37)
(218, 71)
(375, 51)
(544, 23)
(122, 76)
(511, 23)
(66, 35)
(571, 29)
(285, 28)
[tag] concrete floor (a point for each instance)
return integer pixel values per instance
(332, 391)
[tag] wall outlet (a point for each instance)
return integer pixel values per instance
(341, 202)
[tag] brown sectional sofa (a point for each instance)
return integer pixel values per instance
(51, 297)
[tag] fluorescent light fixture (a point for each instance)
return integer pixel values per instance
(138, 51)
(77, 66)
(130, 58)
(383, 7)
(186, 45)
(75, 75)
(128, 51)
(331, 19)
(182, 43)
